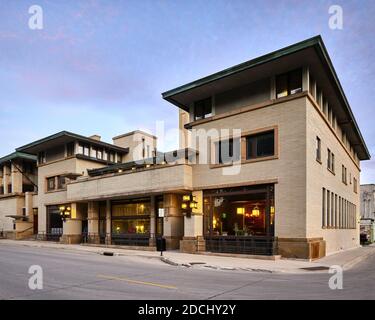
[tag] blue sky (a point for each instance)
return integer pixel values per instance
(100, 66)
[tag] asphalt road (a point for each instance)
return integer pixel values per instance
(77, 275)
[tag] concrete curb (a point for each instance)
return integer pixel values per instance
(349, 265)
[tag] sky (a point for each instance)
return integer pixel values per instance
(100, 66)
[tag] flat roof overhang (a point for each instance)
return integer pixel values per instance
(64, 137)
(311, 52)
(18, 155)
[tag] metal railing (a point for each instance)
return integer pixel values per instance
(257, 245)
(131, 239)
(50, 236)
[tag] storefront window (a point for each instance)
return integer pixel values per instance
(239, 212)
(132, 217)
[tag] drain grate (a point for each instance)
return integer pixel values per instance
(194, 263)
(318, 268)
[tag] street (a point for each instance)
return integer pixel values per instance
(69, 274)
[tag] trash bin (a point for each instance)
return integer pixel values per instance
(161, 245)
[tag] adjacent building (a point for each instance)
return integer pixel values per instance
(268, 163)
(368, 212)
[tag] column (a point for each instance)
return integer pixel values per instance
(173, 220)
(305, 79)
(16, 178)
(153, 215)
(193, 240)
(93, 222)
(6, 178)
(72, 227)
(108, 224)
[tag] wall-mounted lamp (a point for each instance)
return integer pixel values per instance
(65, 212)
(188, 203)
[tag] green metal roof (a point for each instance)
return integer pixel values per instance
(316, 42)
(18, 155)
(74, 136)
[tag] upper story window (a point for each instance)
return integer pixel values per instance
(111, 156)
(70, 149)
(289, 83)
(42, 157)
(260, 145)
(61, 182)
(203, 109)
(318, 150)
(331, 161)
(56, 183)
(51, 183)
(355, 185)
(228, 151)
(344, 174)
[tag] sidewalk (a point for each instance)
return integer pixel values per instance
(346, 259)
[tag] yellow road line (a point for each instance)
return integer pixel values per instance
(136, 282)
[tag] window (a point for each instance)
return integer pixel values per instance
(111, 157)
(70, 149)
(51, 184)
(289, 83)
(105, 155)
(324, 218)
(42, 157)
(93, 152)
(203, 109)
(86, 150)
(344, 175)
(260, 145)
(331, 161)
(99, 154)
(61, 182)
(227, 151)
(355, 185)
(318, 150)
(80, 149)
(119, 158)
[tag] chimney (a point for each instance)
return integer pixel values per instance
(95, 137)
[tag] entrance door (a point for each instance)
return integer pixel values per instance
(35, 221)
(55, 224)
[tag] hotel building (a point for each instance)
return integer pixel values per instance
(276, 168)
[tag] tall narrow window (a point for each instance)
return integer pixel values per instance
(339, 215)
(355, 185)
(324, 219)
(344, 175)
(318, 149)
(70, 149)
(332, 224)
(42, 157)
(328, 208)
(336, 218)
(330, 161)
